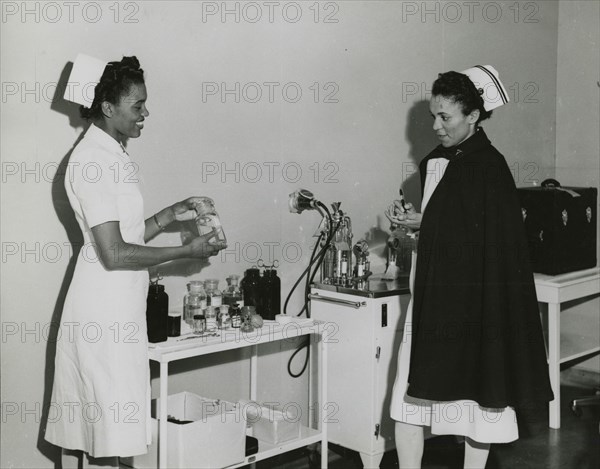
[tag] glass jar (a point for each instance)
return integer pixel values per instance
(211, 319)
(199, 324)
(208, 221)
(213, 295)
(194, 302)
(174, 324)
(224, 317)
(232, 295)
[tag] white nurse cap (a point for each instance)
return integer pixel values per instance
(485, 78)
(85, 75)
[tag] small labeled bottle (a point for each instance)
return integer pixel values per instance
(194, 302)
(232, 295)
(211, 319)
(213, 295)
(247, 313)
(224, 317)
(199, 323)
(236, 316)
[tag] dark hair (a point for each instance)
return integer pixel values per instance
(460, 89)
(116, 80)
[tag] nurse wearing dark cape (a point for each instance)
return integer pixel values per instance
(473, 348)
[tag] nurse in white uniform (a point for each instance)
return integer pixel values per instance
(101, 393)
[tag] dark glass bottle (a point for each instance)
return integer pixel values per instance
(251, 289)
(157, 313)
(271, 294)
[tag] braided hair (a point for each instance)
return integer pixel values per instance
(459, 88)
(116, 80)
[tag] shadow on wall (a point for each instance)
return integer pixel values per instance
(422, 140)
(67, 217)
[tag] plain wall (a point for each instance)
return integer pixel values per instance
(578, 136)
(356, 141)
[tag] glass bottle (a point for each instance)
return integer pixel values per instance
(251, 289)
(271, 294)
(210, 315)
(224, 317)
(213, 295)
(247, 312)
(236, 316)
(194, 302)
(232, 295)
(157, 313)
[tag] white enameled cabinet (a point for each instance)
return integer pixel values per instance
(364, 334)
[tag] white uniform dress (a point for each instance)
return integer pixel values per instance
(463, 417)
(101, 394)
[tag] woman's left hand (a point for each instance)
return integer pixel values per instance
(403, 215)
(185, 210)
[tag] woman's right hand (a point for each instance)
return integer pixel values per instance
(201, 247)
(404, 215)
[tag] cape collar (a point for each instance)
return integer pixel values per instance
(475, 142)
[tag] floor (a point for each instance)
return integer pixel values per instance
(576, 445)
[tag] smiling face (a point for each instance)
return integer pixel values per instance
(450, 124)
(126, 118)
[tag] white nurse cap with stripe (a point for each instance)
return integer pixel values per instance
(485, 78)
(85, 75)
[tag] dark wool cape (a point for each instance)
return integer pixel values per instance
(476, 332)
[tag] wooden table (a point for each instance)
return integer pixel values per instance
(554, 290)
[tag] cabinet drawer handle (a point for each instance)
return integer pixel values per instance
(327, 299)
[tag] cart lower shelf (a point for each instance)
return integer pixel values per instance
(267, 450)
